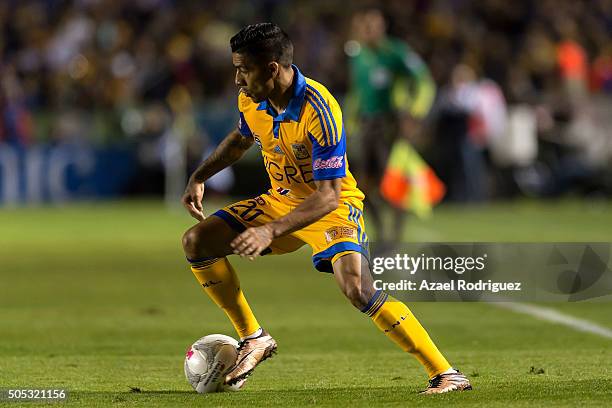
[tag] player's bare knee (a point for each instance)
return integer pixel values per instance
(193, 245)
(188, 241)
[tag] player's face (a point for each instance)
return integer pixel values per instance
(253, 78)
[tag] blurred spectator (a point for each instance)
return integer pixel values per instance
(459, 136)
(104, 53)
(601, 77)
(16, 126)
(111, 61)
(149, 146)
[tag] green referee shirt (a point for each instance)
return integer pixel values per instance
(376, 71)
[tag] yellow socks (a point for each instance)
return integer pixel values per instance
(221, 283)
(399, 324)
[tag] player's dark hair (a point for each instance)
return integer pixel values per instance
(264, 41)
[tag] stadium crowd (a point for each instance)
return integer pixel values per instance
(114, 71)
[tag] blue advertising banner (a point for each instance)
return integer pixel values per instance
(57, 173)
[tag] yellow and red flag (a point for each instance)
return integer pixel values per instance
(409, 183)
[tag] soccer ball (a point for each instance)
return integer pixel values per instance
(207, 362)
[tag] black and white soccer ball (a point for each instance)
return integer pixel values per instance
(207, 362)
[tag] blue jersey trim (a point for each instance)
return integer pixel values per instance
(292, 112)
(243, 127)
(295, 104)
(322, 260)
(236, 226)
(354, 215)
(322, 112)
(329, 111)
(329, 177)
(321, 117)
(230, 220)
(327, 153)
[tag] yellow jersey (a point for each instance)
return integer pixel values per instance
(306, 142)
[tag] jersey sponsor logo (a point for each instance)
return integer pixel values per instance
(290, 174)
(277, 149)
(335, 233)
(300, 151)
(334, 162)
(283, 191)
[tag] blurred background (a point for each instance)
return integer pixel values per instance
(104, 98)
(106, 106)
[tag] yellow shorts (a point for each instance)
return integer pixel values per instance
(339, 232)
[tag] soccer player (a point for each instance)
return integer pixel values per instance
(381, 66)
(314, 200)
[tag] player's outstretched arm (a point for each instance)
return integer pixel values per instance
(228, 152)
(320, 203)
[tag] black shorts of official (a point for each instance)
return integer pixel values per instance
(378, 132)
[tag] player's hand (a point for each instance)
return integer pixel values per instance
(192, 199)
(253, 241)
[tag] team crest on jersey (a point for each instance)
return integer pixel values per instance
(277, 149)
(257, 141)
(335, 233)
(300, 151)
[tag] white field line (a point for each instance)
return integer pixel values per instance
(554, 316)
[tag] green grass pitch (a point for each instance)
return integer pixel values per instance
(97, 298)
